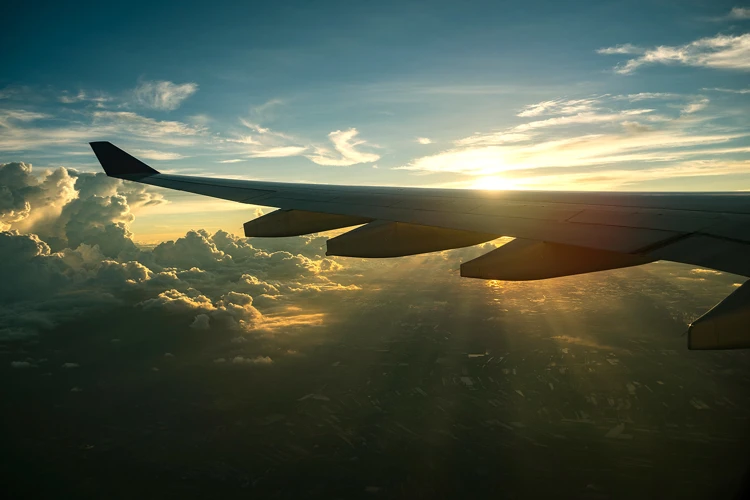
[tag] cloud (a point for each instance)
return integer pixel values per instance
(201, 322)
(628, 137)
(739, 13)
(258, 360)
(649, 95)
(695, 106)
(278, 152)
(70, 365)
(164, 131)
(560, 107)
(345, 142)
(263, 142)
(627, 48)
(424, 140)
(163, 95)
(719, 52)
(20, 364)
(99, 99)
(151, 154)
(67, 244)
(730, 91)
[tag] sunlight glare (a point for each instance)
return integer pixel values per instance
(494, 183)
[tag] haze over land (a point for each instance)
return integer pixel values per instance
(220, 363)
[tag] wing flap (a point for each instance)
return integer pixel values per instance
(395, 239)
(526, 260)
(297, 222)
(726, 255)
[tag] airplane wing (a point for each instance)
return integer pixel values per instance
(557, 233)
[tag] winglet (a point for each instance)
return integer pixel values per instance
(117, 162)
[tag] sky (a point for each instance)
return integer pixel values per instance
(145, 326)
(626, 95)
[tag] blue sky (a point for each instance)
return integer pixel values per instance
(624, 95)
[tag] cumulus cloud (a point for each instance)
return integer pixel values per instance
(258, 360)
(68, 249)
(163, 95)
(424, 140)
(719, 52)
(201, 322)
(345, 143)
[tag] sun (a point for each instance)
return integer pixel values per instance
(494, 183)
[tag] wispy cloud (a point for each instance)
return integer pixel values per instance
(262, 142)
(719, 52)
(632, 137)
(82, 96)
(695, 106)
(559, 107)
(729, 91)
(627, 48)
(151, 154)
(19, 132)
(345, 143)
(278, 152)
(163, 95)
(424, 140)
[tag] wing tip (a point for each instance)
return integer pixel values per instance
(117, 162)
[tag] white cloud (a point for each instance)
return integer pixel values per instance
(424, 140)
(695, 106)
(163, 95)
(278, 152)
(82, 96)
(739, 13)
(627, 48)
(581, 119)
(150, 154)
(730, 91)
(233, 160)
(648, 95)
(720, 52)
(493, 139)
(345, 142)
(263, 142)
(560, 107)
(258, 360)
(19, 115)
(70, 365)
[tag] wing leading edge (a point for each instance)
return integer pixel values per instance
(557, 233)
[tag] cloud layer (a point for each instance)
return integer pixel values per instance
(67, 248)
